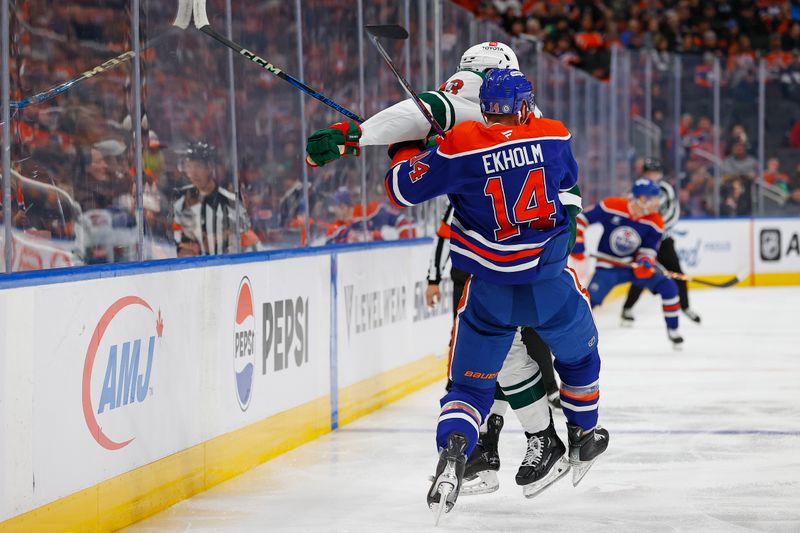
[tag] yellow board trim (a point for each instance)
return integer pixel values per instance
(147, 490)
(761, 279)
(373, 393)
(773, 279)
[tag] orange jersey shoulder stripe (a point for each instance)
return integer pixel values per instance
(473, 136)
(617, 204)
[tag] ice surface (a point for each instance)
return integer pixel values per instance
(706, 440)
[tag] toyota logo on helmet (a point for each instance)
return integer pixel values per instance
(488, 55)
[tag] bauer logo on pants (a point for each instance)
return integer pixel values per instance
(244, 336)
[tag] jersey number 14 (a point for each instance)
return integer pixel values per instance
(532, 206)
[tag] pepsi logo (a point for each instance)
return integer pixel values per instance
(118, 370)
(244, 344)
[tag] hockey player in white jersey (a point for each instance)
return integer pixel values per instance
(520, 378)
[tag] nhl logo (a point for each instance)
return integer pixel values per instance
(770, 245)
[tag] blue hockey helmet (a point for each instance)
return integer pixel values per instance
(645, 187)
(503, 90)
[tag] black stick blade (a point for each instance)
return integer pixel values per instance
(387, 31)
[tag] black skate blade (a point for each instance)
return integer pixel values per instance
(387, 31)
(558, 471)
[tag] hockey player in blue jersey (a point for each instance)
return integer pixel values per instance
(632, 232)
(508, 183)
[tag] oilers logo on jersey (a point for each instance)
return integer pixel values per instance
(624, 240)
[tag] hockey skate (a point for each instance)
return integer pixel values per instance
(691, 315)
(480, 474)
(676, 339)
(584, 447)
(544, 462)
(626, 320)
(449, 472)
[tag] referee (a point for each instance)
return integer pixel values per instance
(669, 209)
(205, 213)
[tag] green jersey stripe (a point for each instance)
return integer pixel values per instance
(438, 109)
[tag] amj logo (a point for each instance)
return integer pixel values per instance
(244, 335)
(124, 362)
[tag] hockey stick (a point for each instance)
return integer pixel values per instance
(393, 31)
(182, 19)
(202, 24)
(678, 275)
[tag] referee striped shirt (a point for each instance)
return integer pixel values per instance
(208, 220)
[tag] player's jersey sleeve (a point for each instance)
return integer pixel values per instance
(583, 220)
(430, 174)
(418, 179)
(651, 240)
(569, 193)
(456, 102)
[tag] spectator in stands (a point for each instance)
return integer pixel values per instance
(794, 135)
(791, 40)
(695, 197)
(793, 205)
(774, 176)
(95, 187)
(738, 135)
(739, 162)
(736, 197)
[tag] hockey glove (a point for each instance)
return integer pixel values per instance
(405, 147)
(645, 268)
(331, 143)
(403, 151)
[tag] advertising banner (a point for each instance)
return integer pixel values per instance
(710, 247)
(137, 368)
(275, 333)
(383, 322)
(777, 245)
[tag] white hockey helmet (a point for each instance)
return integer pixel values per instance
(488, 55)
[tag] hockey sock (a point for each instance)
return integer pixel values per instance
(463, 411)
(528, 399)
(580, 389)
(670, 302)
(671, 307)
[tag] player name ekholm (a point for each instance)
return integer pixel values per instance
(519, 156)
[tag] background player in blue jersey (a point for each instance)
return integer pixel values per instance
(632, 232)
(511, 231)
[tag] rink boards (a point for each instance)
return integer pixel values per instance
(123, 395)
(127, 389)
(765, 251)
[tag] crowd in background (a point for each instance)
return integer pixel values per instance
(82, 143)
(738, 33)
(74, 154)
